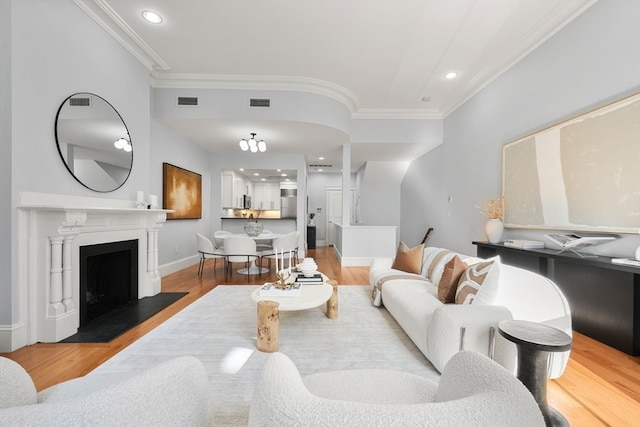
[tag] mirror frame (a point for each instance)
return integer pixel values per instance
(64, 104)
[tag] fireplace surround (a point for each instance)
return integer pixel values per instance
(51, 229)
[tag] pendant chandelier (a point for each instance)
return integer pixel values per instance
(253, 145)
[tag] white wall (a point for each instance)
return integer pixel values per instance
(176, 240)
(6, 259)
(57, 50)
(592, 61)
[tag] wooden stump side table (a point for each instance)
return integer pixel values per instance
(535, 341)
(269, 309)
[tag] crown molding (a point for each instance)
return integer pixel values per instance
(111, 22)
(548, 26)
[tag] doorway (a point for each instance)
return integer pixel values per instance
(333, 197)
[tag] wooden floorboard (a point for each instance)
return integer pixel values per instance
(600, 387)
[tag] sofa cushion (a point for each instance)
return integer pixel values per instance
(479, 283)
(433, 263)
(448, 284)
(408, 259)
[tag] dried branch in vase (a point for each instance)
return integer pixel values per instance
(494, 208)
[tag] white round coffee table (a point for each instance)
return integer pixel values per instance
(310, 296)
(269, 308)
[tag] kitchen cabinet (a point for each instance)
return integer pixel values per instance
(266, 196)
(234, 186)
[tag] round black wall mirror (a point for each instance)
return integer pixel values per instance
(94, 142)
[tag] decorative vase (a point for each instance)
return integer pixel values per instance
(493, 229)
(253, 228)
(311, 222)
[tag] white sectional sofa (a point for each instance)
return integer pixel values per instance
(441, 330)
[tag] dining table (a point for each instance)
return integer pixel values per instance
(253, 268)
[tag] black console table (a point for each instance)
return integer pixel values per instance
(604, 297)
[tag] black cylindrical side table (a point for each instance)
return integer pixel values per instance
(534, 342)
(311, 236)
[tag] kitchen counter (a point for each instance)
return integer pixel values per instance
(259, 219)
(275, 225)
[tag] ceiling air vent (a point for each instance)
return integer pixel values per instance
(80, 102)
(191, 101)
(254, 102)
(320, 166)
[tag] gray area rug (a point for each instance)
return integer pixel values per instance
(220, 329)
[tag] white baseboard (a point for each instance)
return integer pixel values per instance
(352, 261)
(12, 337)
(181, 264)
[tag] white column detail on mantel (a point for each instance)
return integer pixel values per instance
(51, 230)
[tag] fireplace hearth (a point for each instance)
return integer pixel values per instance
(108, 278)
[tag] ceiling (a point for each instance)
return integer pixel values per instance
(381, 58)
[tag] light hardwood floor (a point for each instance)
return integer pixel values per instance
(600, 387)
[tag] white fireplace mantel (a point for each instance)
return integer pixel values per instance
(51, 230)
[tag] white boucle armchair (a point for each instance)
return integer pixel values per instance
(473, 391)
(173, 393)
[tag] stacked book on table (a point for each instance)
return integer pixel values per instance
(314, 279)
(524, 244)
(291, 290)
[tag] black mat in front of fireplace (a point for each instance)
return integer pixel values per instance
(118, 321)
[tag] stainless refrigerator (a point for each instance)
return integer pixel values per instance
(288, 203)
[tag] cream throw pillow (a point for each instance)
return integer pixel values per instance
(479, 283)
(408, 259)
(448, 284)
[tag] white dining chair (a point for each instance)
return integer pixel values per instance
(287, 244)
(239, 249)
(207, 251)
(218, 238)
(264, 244)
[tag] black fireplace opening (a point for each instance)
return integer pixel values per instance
(108, 278)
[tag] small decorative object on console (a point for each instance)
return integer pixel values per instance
(494, 209)
(626, 261)
(524, 244)
(571, 242)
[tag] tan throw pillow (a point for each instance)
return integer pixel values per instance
(409, 260)
(448, 284)
(479, 283)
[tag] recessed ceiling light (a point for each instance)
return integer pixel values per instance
(320, 158)
(279, 170)
(263, 179)
(256, 174)
(451, 75)
(319, 170)
(284, 174)
(152, 17)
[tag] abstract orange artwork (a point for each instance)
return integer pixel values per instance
(181, 192)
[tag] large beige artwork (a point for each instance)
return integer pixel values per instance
(181, 192)
(582, 174)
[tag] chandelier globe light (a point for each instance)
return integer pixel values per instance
(123, 144)
(253, 145)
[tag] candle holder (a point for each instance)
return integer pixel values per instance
(284, 279)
